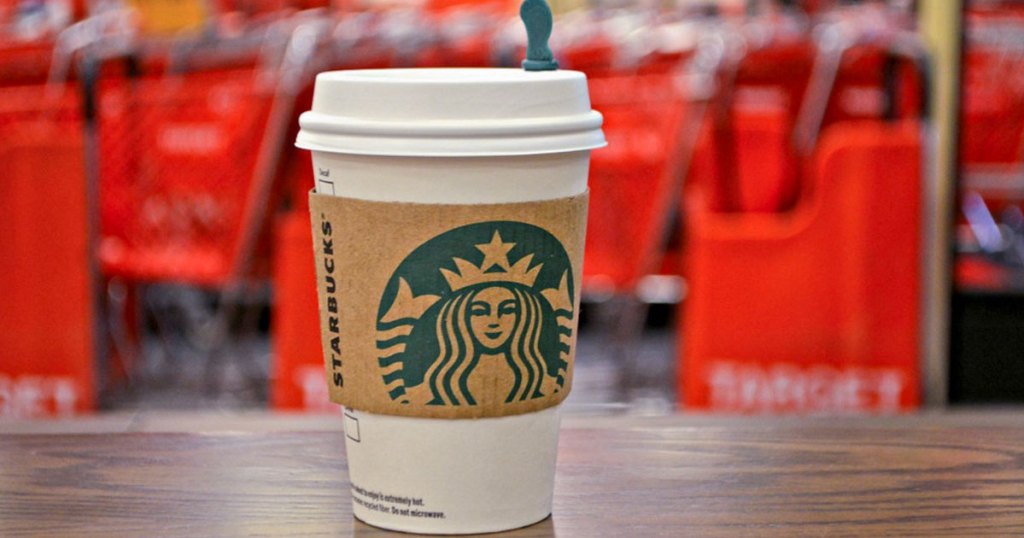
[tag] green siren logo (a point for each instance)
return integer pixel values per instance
(483, 307)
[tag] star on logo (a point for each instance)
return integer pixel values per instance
(495, 253)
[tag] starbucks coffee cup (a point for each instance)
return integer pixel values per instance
(449, 217)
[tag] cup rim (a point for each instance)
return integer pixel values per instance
(550, 113)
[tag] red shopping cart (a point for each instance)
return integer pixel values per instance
(178, 166)
(650, 122)
(47, 315)
(52, 313)
(992, 131)
(189, 157)
(634, 180)
(47, 311)
(190, 161)
(816, 309)
(990, 238)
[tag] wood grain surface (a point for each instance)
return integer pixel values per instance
(617, 476)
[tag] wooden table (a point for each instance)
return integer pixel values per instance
(926, 475)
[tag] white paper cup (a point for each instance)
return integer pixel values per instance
(451, 136)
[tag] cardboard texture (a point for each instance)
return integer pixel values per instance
(448, 311)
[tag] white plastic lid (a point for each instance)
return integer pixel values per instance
(450, 113)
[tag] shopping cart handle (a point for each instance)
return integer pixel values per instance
(537, 17)
(908, 47)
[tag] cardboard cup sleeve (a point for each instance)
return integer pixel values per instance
(448, 311)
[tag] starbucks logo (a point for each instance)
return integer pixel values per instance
(484, 308)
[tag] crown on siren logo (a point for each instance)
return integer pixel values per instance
(495, 267)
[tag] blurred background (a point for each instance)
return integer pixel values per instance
(805, 207)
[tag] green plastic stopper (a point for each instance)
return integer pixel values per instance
(537, 17)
